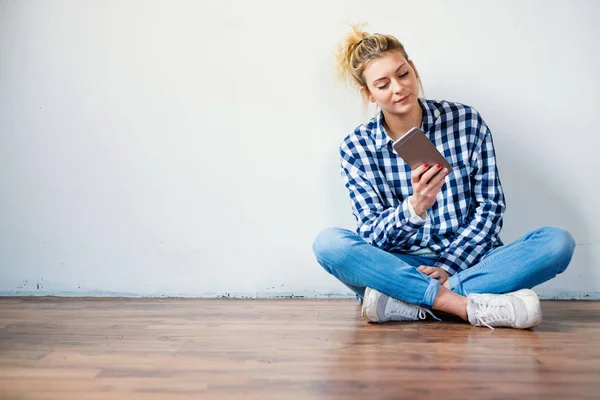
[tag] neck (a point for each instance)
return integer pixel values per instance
(397, 125)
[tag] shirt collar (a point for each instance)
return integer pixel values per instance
(430, 114)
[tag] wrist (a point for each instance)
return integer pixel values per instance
(416, 207)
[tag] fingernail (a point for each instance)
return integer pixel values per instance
(426, 165)
(439, 166)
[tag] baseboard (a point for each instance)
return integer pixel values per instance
(258, 295)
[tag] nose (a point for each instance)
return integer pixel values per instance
(396, 86)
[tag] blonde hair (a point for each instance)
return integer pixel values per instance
(358, 48)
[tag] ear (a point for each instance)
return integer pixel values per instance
(367, 93)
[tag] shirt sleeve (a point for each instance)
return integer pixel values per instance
(480, 232)
(380, 225)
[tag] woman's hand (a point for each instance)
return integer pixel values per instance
(435, 273)
(426, 182)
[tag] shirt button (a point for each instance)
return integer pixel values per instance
(426, 238)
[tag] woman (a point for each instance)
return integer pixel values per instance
(428, 239)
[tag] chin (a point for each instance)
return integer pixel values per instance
(400, 109)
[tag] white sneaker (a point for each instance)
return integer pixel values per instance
(379, 307)
(519, 309)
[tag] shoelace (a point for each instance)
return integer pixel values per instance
(491, 311)
(423, 311)
(413, 312)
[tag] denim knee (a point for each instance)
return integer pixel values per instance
(560, 246)
(330, 244)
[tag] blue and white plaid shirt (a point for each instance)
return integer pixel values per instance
(465, 222)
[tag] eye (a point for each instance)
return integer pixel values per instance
(404, 74)
(383, 87)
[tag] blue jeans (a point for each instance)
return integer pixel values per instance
(533, 259)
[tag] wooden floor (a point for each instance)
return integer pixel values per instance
(57, 348)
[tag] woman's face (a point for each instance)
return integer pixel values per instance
(392, 84)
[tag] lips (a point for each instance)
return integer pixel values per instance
(403, 99)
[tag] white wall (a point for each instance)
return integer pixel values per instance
(190, 147)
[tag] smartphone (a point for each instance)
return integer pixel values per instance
(416, 150)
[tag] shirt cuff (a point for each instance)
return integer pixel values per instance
(413, 215)
(405, 220)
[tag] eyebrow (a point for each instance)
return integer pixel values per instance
(377, 80)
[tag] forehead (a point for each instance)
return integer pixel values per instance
(383, 66)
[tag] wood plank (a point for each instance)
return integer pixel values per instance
(67, 348)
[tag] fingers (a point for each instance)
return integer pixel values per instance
(427, 270)
(440, 178)
(425, 176)
(434, 272)
(439, 276)
(433, 187)
(431, 172)
(439, 183)
(426, 183)
(417, 173)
